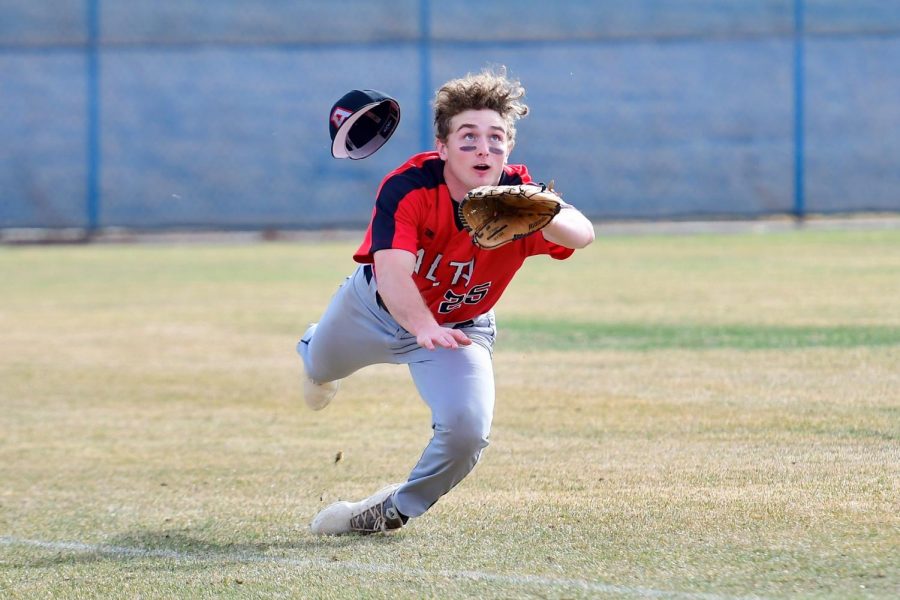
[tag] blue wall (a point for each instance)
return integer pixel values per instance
(215, 114)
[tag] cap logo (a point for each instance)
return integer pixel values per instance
(339, 115)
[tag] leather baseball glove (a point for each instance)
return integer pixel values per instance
(495, 215)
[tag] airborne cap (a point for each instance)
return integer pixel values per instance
(361, 122)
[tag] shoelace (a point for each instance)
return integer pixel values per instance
(374, 519)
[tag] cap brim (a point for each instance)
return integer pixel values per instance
(339, 145)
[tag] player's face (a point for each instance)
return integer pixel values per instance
(475, 151)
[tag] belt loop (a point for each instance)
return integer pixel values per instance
(380, 303)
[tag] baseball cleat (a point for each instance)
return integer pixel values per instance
(319, 395)
(374, 514)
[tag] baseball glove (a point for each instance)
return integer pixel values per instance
(498, 214)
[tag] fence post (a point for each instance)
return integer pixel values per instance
(425, 132)
(92, 100)
(799, 107)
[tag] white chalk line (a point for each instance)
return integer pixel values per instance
(322, 563)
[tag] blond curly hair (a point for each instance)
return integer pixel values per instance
(491, 89)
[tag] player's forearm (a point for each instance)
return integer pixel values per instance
(405, 303)
(570, 228)
(393, 271)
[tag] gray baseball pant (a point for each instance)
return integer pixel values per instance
(458, 385)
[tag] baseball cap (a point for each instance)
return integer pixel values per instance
(361, 122)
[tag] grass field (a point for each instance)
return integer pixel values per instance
(698, 416)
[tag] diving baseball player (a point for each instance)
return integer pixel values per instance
(423, 295)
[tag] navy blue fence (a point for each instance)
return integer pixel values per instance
(184, 113)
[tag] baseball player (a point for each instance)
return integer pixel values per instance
(423, 294)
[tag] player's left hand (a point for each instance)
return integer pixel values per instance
(496, 215)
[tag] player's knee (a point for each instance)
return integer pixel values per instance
(317, 370)
(318, 375)
(466, 446)
(467, 438)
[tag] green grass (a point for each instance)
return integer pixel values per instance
(542, 334)
(676, 416)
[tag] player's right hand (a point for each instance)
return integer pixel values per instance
(443, 337)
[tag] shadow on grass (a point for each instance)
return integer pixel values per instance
(179, 548)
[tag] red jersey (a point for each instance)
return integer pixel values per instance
(458, 280)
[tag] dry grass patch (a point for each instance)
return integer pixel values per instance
(155, 445)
